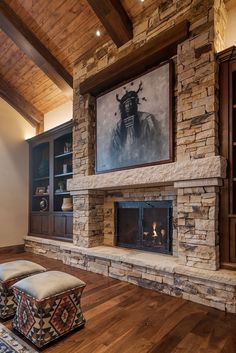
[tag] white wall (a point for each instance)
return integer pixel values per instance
(58, 116)
(14, 183)
(230, 35)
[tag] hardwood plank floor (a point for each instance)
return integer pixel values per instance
(123, 318)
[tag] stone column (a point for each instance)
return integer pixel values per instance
(197, 222)
(88, 218)
(84, 135)
(88, 205)
(197, 75)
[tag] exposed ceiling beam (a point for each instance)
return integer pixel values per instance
(115, 19)
(26, 109)
(12, 25)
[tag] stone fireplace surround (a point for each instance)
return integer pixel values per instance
(190, 272)
(192, 181)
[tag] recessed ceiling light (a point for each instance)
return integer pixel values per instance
(98, 33)
(142, 0)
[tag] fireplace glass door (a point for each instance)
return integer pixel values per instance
(145, 225)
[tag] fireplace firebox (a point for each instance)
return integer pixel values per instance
(145, 225)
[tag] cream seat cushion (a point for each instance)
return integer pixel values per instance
(14, 269)
(48, 284)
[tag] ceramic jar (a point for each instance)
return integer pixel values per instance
(67, 204)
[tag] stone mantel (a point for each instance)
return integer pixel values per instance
(211, 168)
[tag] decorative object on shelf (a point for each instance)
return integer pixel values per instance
(134, 122)
(67, 204)
(67, 147)
(65, 168)
(47, 191)
(43, 204)
(40, 190)
(62, 186)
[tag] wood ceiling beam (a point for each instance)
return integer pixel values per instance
(115, 19)
(12, 25)
(16, 101)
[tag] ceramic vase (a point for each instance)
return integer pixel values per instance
(67, 204)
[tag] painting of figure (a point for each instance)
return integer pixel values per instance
(134, 122)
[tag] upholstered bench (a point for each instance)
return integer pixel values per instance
(48, 306)
(11, 272)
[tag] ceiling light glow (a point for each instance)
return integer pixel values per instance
(98, 33)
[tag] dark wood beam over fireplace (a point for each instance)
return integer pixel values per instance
(115, 19)
(155, 51)
(26, 109)
(12, 25)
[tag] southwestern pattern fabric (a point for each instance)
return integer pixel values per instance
(10, 343)
(7, 304)
(10, 273)
(7, 300)
(43, 321)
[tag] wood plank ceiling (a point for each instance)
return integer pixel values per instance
(67, 29)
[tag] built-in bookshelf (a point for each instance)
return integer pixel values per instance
(51, 210)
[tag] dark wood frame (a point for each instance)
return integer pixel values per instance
(49, 219)
(227, 226)
(171, 104)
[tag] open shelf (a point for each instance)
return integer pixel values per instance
(43, 178)
(62, 193)
(63, 175)
(42, 195)
(64, 155)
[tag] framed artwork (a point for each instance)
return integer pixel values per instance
(134, 122)
(40, 190)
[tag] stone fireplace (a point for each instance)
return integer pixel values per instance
(188, 265)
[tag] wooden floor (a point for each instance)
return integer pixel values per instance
(123, 318)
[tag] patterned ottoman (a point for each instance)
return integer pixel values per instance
(11, 272)
(48, 306)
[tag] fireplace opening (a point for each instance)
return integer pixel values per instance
(145, 225)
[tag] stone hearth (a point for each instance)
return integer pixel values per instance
(154, 271)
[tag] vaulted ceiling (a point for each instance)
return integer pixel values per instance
(40, 40)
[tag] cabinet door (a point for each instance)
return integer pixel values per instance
(39, 224)
(59, 225)
(62, 226)
(69, 226)
(233, 239)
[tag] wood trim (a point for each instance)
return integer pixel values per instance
(12, 25)
(228, 266)
(19, 103)
(58, 130)
(114, 18)
(227, 54)
(159, 49)
(15, 249)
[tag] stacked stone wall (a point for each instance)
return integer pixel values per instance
(198, 236)
(216, 289)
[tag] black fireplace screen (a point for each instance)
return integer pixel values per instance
(145, 225)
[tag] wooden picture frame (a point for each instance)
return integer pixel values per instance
(40, 190)
(134, 122)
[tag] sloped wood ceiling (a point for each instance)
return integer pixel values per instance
(67, 29)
